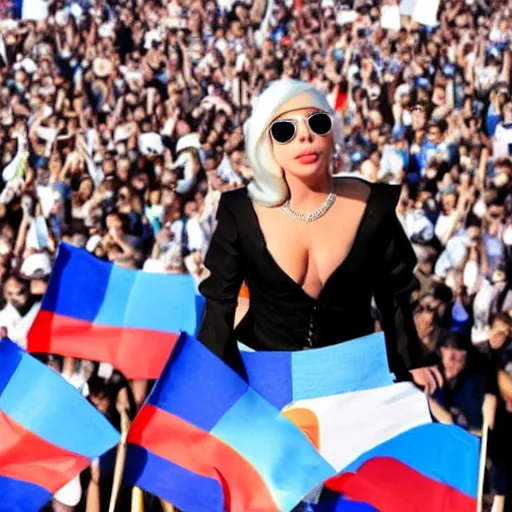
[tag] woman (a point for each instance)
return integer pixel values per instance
(312, 249)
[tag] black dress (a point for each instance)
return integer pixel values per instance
(282, 316)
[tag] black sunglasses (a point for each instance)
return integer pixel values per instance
(284, 130)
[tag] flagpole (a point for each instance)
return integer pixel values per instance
(488, 413)
(167, 507)
(120, 461)
(137, 500)
(481, 469)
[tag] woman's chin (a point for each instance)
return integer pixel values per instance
(307, 171)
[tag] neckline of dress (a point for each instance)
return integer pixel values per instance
(336, 269)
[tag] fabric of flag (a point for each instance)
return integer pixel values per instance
(341, 98)
(377, 435)
(49, 433)
(430, 467)
(205, 440)
(101, 312)
(286, 377)
(36, 10)
(332, 502)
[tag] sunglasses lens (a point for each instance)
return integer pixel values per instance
(282, 131)
(320, 123)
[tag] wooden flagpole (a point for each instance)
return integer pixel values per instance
(120, 461)
(167, 507)
(481, 469)
(137, 500)
(488, 413)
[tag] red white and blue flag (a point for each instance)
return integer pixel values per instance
(49, 432)
(98, 311)
(223, 444)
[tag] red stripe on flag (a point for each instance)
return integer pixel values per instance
(391, 486)
(25, 456)
(137, 353)
(184, 444)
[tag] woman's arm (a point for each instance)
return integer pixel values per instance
(222, 286)
(394, 284)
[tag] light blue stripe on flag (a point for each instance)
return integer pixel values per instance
(283, 377)
(287, 462)
(142, 300)
(41, 401)
(356, 365)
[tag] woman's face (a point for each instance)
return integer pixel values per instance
(86, 189)
(307, 154)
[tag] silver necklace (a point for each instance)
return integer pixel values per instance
(320, 212)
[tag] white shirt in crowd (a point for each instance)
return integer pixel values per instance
(502, 141)
(453, 255)
(17, 326)
(444, 224)
(418, 227)
(391, 164)
(194, 233)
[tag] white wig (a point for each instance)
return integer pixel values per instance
(269, 187)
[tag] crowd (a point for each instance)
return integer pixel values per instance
(121, 123)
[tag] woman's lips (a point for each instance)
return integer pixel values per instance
(307, 158)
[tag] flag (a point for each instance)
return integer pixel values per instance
(407, 7)
(98, 311)
(35, 10)
(341, 98)
(425, 13)
(332, 502)
(205, 440)
(430, 467)
(283, 378)
(49, 433)
(376, 434)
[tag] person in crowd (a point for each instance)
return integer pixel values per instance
(19, 311)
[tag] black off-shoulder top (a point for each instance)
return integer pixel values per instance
(282, 316)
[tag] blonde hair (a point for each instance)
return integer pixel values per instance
(268, 186)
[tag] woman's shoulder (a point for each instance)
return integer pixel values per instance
(383, 197)
(235, 202)
(234, 198)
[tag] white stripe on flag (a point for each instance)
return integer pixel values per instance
(36, 10)
(353, 423)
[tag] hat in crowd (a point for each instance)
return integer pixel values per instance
(189, 141)
(36, 266)
(151, 144)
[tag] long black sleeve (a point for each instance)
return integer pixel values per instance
(222, 286)
(395, 282)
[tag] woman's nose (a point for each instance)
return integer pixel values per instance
(303, 131)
